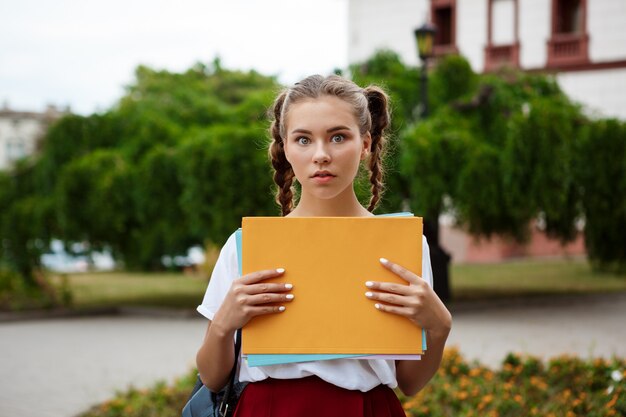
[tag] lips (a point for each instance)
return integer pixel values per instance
(322, 174)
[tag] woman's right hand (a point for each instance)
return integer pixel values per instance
(249, 297)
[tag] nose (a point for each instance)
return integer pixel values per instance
(321, 155)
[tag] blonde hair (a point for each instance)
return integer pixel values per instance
(371, 109)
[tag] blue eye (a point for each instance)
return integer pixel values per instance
(303, 140)
(337, 139)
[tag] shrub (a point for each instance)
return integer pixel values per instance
(15, 294)
(523, 386)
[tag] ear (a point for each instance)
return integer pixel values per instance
(286, 151)
(367, 145)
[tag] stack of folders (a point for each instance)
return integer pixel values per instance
(328, 260)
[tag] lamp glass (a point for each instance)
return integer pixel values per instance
(425, 37)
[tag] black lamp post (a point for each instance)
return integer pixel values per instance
(425, 37)
(440, 259)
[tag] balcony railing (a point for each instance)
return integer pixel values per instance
(497, 56)
(568, 49)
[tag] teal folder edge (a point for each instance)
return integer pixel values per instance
(265, 360)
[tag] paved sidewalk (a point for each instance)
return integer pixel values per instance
(585, 326)
(59, 367)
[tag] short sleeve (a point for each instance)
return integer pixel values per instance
(427, 270)
(224, 272)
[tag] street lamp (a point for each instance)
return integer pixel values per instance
(425, 37)
(440, 259)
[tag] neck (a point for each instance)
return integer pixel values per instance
(344, 205)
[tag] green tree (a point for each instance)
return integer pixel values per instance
(116, 180)
(497, 152)
(601, 176)
(225, 175)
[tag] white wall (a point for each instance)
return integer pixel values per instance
(471, 31)
(534, 32)
(606, 24)
(375, 24)
(602, 92)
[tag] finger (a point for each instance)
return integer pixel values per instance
(254, 311)
(400, 271)
(398, 300)
(258, 276)
(400, 311)
(269, 298)
(401, 289)
(266, 287)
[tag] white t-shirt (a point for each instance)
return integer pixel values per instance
(353, 374)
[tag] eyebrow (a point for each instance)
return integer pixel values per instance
(332, 129)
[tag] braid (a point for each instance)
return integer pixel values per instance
(283, 175)
(377, 102)
(376, 175)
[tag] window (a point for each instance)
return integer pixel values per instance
(443, 15)
(569, 42)
(502, 35)
(568, 16)
(443, 21)
(15, 149)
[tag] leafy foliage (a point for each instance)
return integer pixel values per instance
(601, 176)
(497, 153)
(118, 180)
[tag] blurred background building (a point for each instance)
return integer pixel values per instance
(582, 42)
(22, 131)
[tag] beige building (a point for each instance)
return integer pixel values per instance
(21, 132)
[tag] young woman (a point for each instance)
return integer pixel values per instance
(323, 129)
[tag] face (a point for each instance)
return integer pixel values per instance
(324, 146)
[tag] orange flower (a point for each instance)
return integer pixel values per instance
(611, 403)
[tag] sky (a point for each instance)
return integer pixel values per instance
(81, 53)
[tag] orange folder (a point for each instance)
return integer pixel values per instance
(328, 260)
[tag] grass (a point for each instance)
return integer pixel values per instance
(106, 289)
(521, 278)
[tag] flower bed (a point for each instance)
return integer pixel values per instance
(523, 386)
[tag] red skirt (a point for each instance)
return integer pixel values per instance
(313, 397)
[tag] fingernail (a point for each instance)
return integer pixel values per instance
(369, 284)
(377, 306)
(280, 270)
(369, 294)
(289, 296)
(383, 260)
(288, 286)
(281, 308)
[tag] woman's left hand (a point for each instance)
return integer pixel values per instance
(416, 301)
